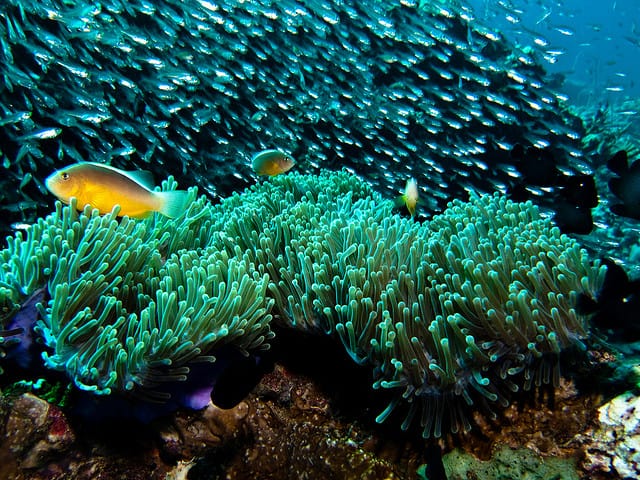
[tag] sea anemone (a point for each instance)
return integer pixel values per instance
(461, 310)
(133, 303)
(450, 314)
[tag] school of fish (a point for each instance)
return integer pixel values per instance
(389, 90)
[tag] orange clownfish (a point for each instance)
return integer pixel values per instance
(271, 162)
(103, 186)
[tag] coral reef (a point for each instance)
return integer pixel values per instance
(451, 319)
(460, 310)
(508, 463)
(36, 433)
(610, 127)
(455, 312)
(289, 427)
(613, 447)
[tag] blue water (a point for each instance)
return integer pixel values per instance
(594, 44)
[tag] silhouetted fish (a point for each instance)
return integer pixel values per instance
(619, 162)
(573, 202)
(571, 197)
(580, 190)
(615, 308)
(536, 165)
(572, 219)
(626, 186)
(238, 376)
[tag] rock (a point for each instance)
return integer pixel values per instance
(614, 447)
(190, 434)
(509, 463)
(36, 432)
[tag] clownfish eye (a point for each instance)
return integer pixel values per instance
(64, 175)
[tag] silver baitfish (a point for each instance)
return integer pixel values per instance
(424, 90)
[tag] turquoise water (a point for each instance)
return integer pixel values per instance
(593, 45)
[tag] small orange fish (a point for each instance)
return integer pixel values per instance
(103, 187)
(271, 162)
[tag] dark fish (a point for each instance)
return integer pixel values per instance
(536, 165)
(625, 186)
(571, 197)
(518, 193)
(572, 203)
(579, 190)
(571, 218)
(433, 469)
(619, 162)
(615, 308)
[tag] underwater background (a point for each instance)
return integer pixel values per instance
(443, 285)
(591, 45)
